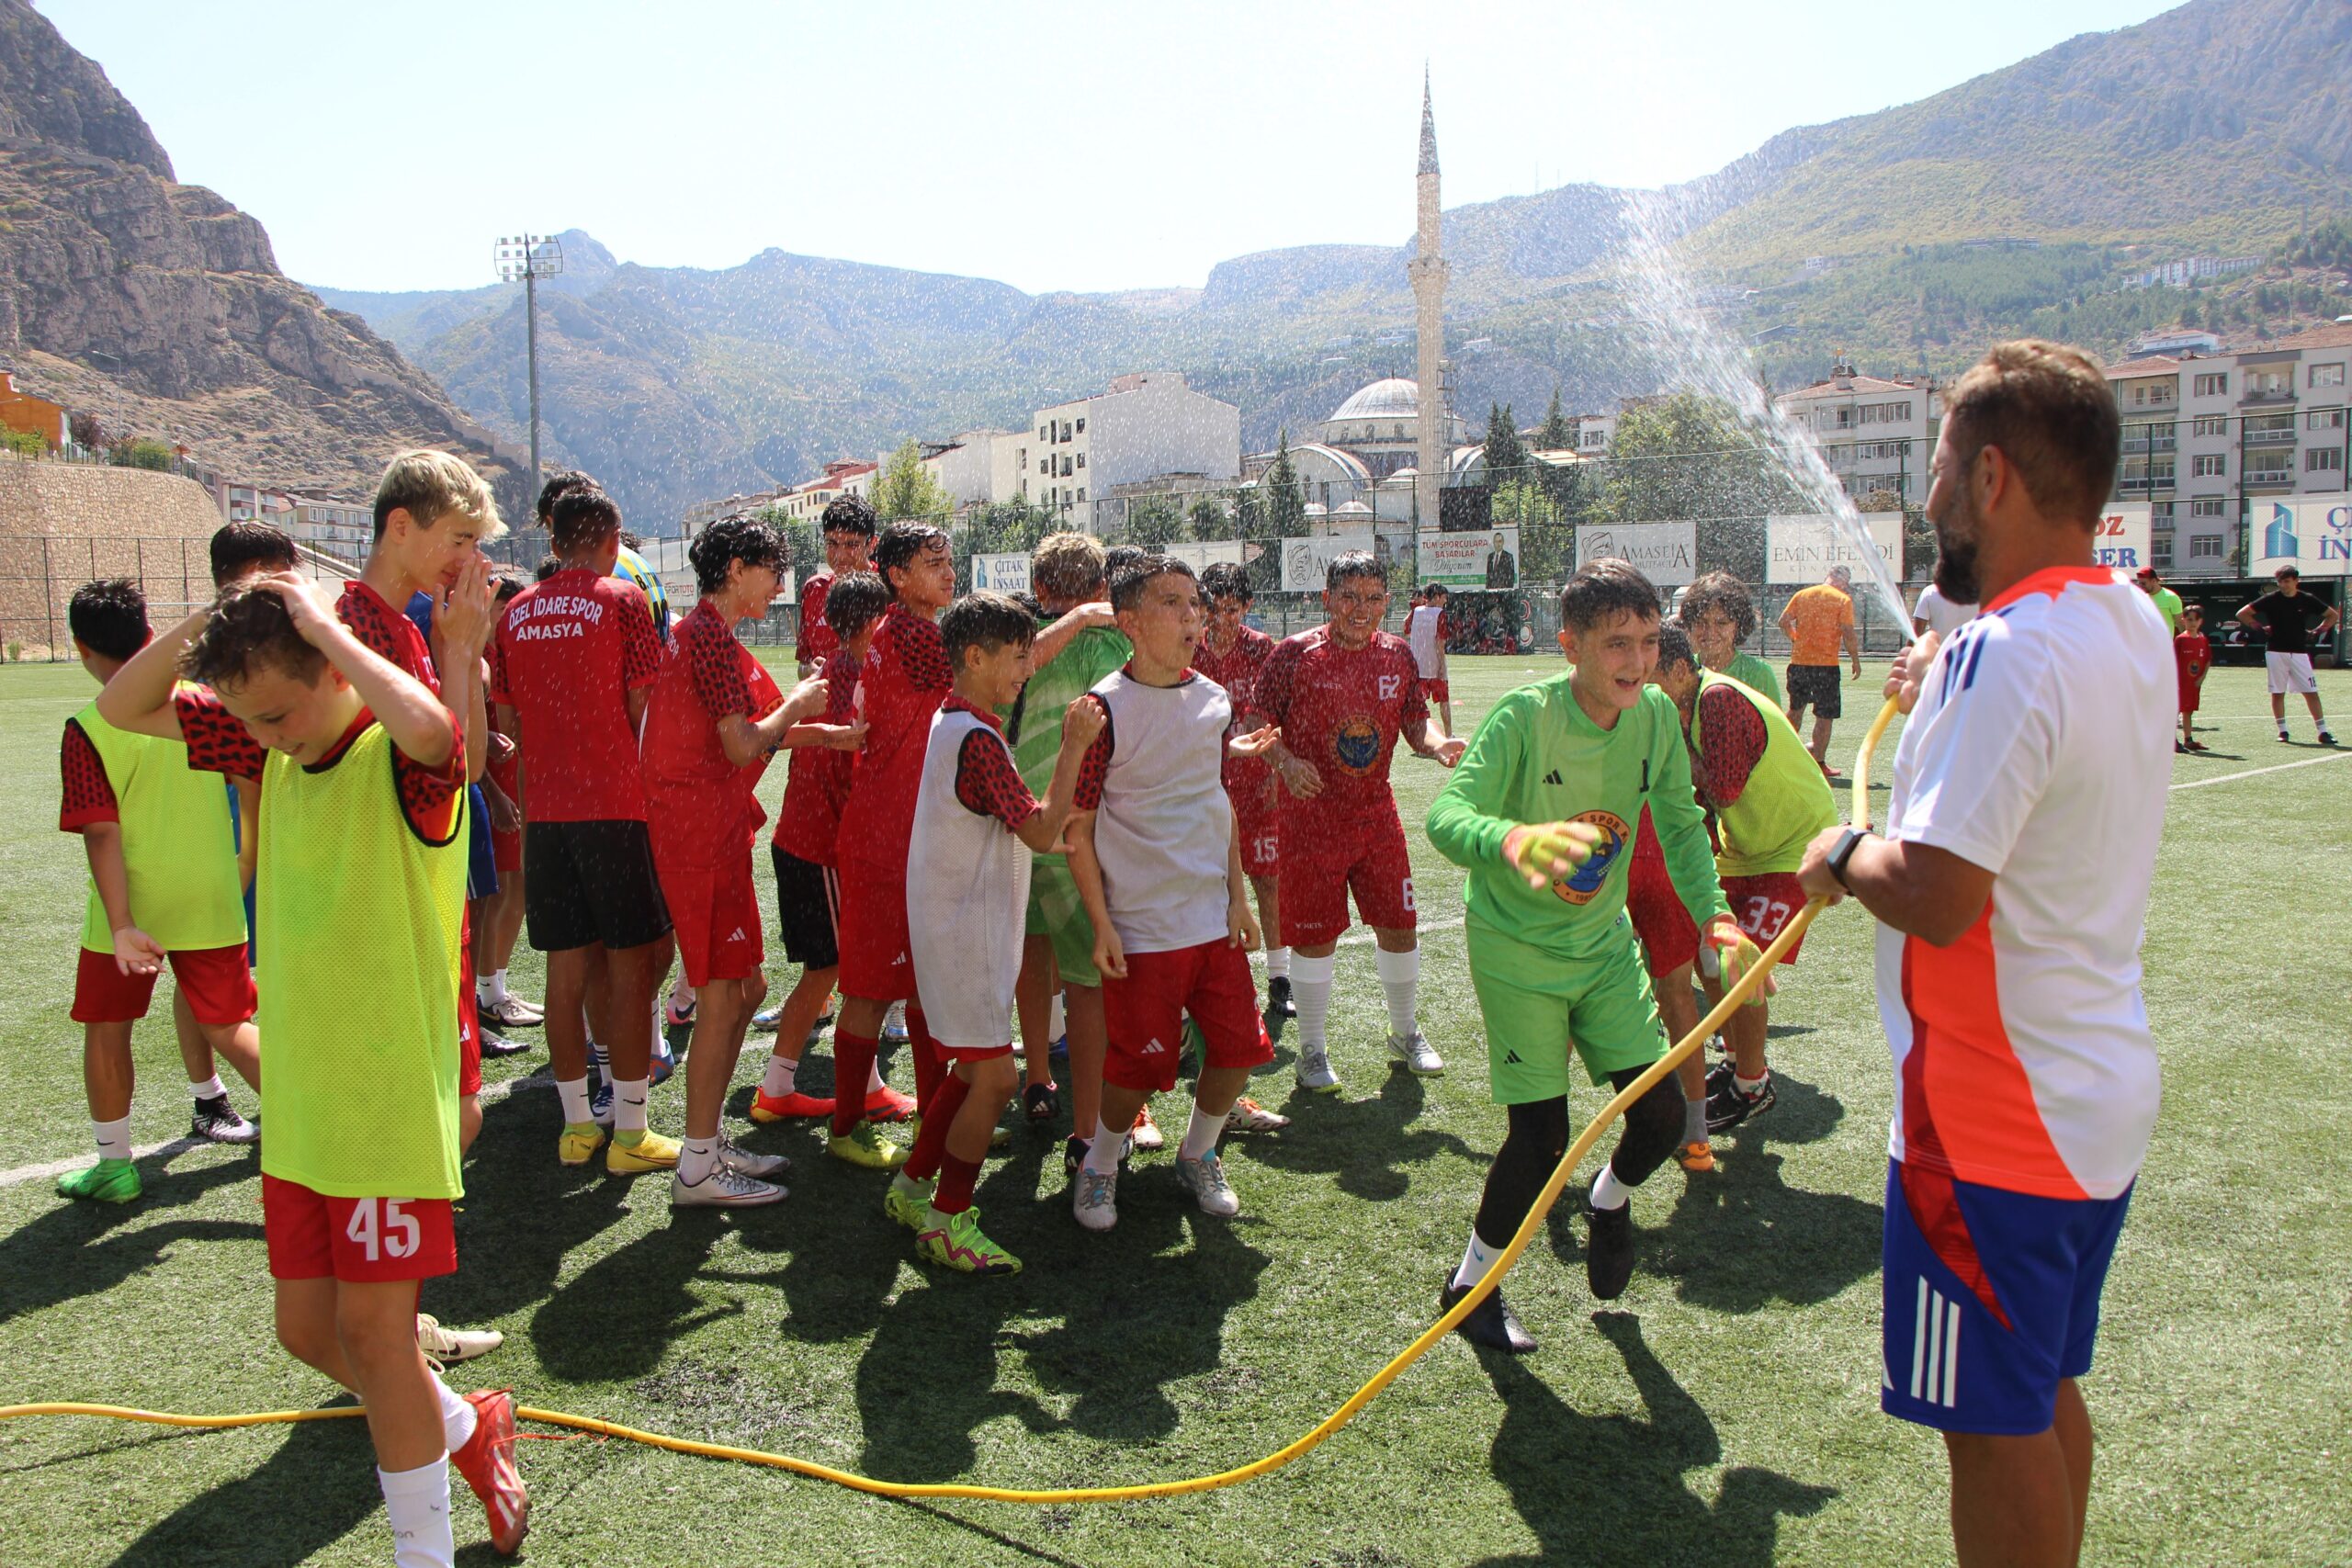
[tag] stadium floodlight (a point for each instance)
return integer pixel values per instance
(526, 259)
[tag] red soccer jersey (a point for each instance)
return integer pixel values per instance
(567, 654)
(700, 804)
(386, 631)
(218, 742)
(1238, 673)
(906, 677)
(1340, 709)
(817, 639)
(808, 824)
(89, 794)
(2191, 657)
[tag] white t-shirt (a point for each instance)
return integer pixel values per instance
(2040, 751)
(1422, 635)
(1163, 824)
(1943, 617)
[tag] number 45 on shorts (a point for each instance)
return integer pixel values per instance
(382, 1227)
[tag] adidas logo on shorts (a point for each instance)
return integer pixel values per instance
(737, 935)
(1155, 1048)
(1510, 1059)
(1552, 777)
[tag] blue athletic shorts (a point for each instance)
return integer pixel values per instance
(481, 855)
(1991, 1298)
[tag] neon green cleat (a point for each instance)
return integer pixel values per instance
(577, 1143)
(633, 1154)
(907, 1201)
(955, 1240)
(862, 1146)
(109, 1182)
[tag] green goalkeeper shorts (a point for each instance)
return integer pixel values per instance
(1056, 910)
(1539, 1006)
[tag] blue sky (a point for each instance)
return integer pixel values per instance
(1087, 147)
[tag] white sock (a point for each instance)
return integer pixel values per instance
(498, 991)
(1750, 1086)
(114, 1138)
(696, 1157)
(874, 1077)
(458, 1419)
(1694, 1121)
(418, 1503)
(1278, 963)
(1608, 1193)
(1057, 1024)
(628, 1105)
(573, 1093)
(1310, 988)
(1478, 1260)
(1201, 1135)
(210, 1088)
(776, 1082)
(1399, 972)
(1103, 1154)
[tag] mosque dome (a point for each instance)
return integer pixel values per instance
(1397, 396)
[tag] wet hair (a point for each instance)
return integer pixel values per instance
(549, 566)
(1069, 567)
(2049, 409)
(583, 516)
(509, 580)
(855, 603)
(428, 485)
(1352, 563)
(1126, 589)
(1226, 579)
(984, 621)
(745, 539)
(630, 541)
(900, 543)
(1436, 591)
(557, 483)
(1720, 592)
(1598, 591)
(108, 617)
(1119, 557)
(848, 515)
(249, 628)
(239, 547)
(1674, 647)
(1028, 601)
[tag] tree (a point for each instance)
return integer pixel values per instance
(908, 490)
(86, 431)
(1506, 454)
(1285, 496)
(1556, 436)
(808, 554)
(1209, 522)
(1154, 521)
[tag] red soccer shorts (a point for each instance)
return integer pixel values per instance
(1762, 905)
(469, 1022)
(2190, 692)
(508, 848)
(1435, 690)
(1669, 939)
(1145, 1015)
(1257, 822)
(219, 986)
(716, 913)
(362, 1240)
(876, 964)
(1324, 861)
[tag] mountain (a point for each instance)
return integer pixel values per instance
(159, 308)
(2208, 130)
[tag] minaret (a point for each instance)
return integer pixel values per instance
(1428, 273)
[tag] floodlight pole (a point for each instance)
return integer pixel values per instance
(527, 258)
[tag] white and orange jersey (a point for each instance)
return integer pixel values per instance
(2040, 751)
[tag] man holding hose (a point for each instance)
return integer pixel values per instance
(2011, 889)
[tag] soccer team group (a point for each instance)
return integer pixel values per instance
(1083, 810)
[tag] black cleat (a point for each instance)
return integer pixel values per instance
(217, 1122)
(1728, 1105)
(1491, 1325)
(1608, 1249)
(1278, 1002)
(496, 1045)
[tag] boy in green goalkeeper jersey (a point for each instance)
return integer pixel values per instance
(1542, 810)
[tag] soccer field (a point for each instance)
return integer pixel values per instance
(1723, 1411)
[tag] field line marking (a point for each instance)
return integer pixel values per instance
(2257, 773)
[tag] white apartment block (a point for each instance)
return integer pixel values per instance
(1141, 427)
(1877, 434)
(1593, 433)
(340, 528)
(807, 502)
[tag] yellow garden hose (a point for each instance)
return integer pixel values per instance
(1734, 997)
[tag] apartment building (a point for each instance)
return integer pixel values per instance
(1877, 434)
(1140, 427)
(345, 529)
(807, 502)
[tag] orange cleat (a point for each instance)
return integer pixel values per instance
(886, 1104)
(487, 1461)
(764, 1110)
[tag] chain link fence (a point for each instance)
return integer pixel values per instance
(38, 577)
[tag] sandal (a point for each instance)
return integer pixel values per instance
(1041, 1101)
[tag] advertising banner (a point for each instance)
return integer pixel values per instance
(1801, 549)
(2316, 535)
(1487, 559)
(1201, 556)
(2124, 534)
(1666, 553)
(1001, 574)
(1306, 561)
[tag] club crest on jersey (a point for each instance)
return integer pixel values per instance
(1584, 884)
(1356, 743)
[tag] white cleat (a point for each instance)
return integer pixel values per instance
(742, 1162)
(722, 1189)
(1314, 1073)
(1095, 1199)
(1249, 1116)
(450, 1345)
(1205, 1178)
(1415, 1051)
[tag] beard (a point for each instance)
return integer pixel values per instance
(1955, 576)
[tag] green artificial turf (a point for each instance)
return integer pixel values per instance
(1722, 1413)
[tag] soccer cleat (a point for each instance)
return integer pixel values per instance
(742, 1162)
(1698, 1156)
(2325, 738)
(764, 1020)
(1491, 1325)
(864, 1145)
(999, 1138)
(487, 1461)
(724, 1187)
(1415, 1051)
(1147, 1135)
(886, 1104)
(907, 1201)
(764, 1110)
(1042, 1103)
(894, 1024)
(2180, 748)
(660, 1064)
(1073, 1154)
(217, 1122)
(2199, 746)
(1314, 1073)
(508, 1012)
(651, 1151)
(957, 1240)
(1205, 1179)
(1278, 998)
(577, 1143)
(1094, 1199)
(448, 1346)
(678, 1017)
(1249, 1116)
(2283, 737)
(109, 1182)
(1728, 1105)
(600, 1104)
(1608, 1249)
(496, 1045)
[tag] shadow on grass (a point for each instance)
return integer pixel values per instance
(1608, 1489)
(1365, 1144)
(84, 1248)
(317, 1487)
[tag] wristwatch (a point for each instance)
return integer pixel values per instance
(1844, 851)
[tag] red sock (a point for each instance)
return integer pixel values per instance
(853, 1068)
(957, 1180)
(938, 1116)
(930, 1066)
